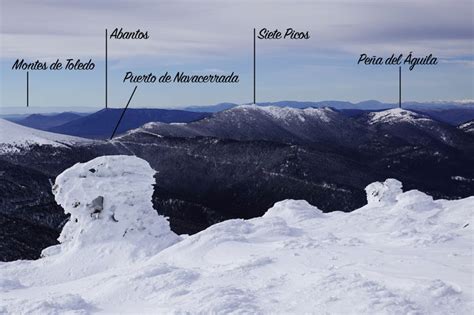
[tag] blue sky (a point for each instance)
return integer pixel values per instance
(216, 36)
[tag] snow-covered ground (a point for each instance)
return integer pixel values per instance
(14, 137)
(402, 253)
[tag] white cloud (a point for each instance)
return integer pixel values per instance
(183, 30)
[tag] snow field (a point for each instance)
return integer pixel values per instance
(402, 253)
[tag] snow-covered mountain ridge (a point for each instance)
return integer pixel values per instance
(401, 253)
(268, 123)
(14, 137)
(290, 122)
(285, 113)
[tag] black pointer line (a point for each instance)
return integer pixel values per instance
(400, 87)
(106, 71)
(254, 67)
(123, 112)
(27, 89)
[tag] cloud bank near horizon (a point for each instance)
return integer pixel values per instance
(217, 37)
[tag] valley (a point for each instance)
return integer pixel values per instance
(238, 163)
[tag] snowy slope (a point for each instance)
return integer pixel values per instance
(14, 137)
(467, 127)
(402, 253)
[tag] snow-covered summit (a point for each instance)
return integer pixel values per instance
(402, 253)
(14, 137)
(285, 113)
(396, 115)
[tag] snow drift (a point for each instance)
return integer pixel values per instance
(401, 253)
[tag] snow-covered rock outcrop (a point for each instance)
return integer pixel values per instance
(402, 253)
(109, 200)
(385, 193)
(112, 221)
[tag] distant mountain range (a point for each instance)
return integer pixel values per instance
(451, 112)
(238, 163)
(100, 124)
(364, 105)
(211, 108)
(46, 122)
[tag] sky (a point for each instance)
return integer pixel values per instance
(216, 37)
